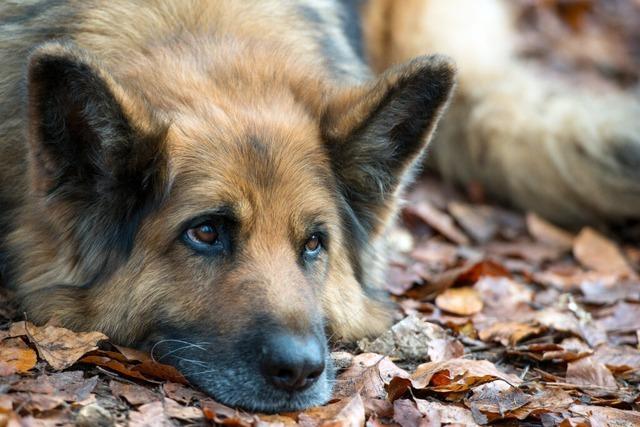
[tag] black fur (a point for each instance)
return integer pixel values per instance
(90, 157)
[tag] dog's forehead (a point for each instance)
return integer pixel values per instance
(271, 166)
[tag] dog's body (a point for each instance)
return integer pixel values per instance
(211, 180)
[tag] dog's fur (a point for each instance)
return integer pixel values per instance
(127, 123)
(544, 145)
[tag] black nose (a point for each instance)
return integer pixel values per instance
(292, 362)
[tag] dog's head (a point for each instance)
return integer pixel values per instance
(228, 236)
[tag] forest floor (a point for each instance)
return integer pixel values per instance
(502, 318)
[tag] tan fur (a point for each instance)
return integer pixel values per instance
(548, 146)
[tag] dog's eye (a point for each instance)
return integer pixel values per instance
(312, 246)
(204, 233)
(205, 238)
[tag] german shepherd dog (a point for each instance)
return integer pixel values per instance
(212, 180)
(209, 180)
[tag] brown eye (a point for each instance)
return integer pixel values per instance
(312, 245)
(203, 233)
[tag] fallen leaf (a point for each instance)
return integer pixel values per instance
(604, 416)
(223, 415)
(455, 375)
(624, 318)
(406, 414)
(141, 368)
(182, 394)
(188, 414)
(587, 371)
(478, 221)
(60, 347)
(462, 301)
(437, 219)
(16, 356)
(497, 400)
(618, 359)
(547, 233)
(150, 415)
(133, 393)
(414, 339)
(70, 386)
(467, 274)
(509, 333)
(367, 376)
(446, 413)
(532, 252)
(596, 252)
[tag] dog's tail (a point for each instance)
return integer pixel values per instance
(543, 144)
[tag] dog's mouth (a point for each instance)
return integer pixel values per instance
(279, 375)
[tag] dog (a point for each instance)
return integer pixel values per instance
(207, 180)
(213, 181)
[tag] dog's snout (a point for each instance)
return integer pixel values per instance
(292, 362)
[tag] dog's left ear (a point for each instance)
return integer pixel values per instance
(377, 133)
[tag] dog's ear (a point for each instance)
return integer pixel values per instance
(95, 155)
(377, 133)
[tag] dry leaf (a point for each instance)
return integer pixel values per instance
(604, 416)
(60, 347)
(589, 372)
(509, 333)
(549, 234)
(462, 301)
(596, 252)
(437, 219)
(133, 393)
(367, 376)
(479, 222)
(16, 356)
(497, 400)
(414, 339)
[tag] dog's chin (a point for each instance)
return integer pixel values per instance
(240, 388)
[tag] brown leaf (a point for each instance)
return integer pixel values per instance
(549, 234)
(453, 375)
(142, 368)
(544, 401)
(406, 414)
(70, 386)
(478, 221)
(133, 393)
(367, 376)
(587, 371)
(414, 339)
(596, 252)
(461, 301)
(618, 359)
(509, 333)
(624, 318)
(150, 415)
(185, 413)
(532, 252)
(466, 275)
(223, 415)
(16, 356)
(445, 413)
(439, 220)
(181, 393)
(60, 347)
(604, 416)
(497, 400)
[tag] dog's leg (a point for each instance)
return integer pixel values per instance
(539, 143)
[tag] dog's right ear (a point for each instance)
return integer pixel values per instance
(93, 148)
